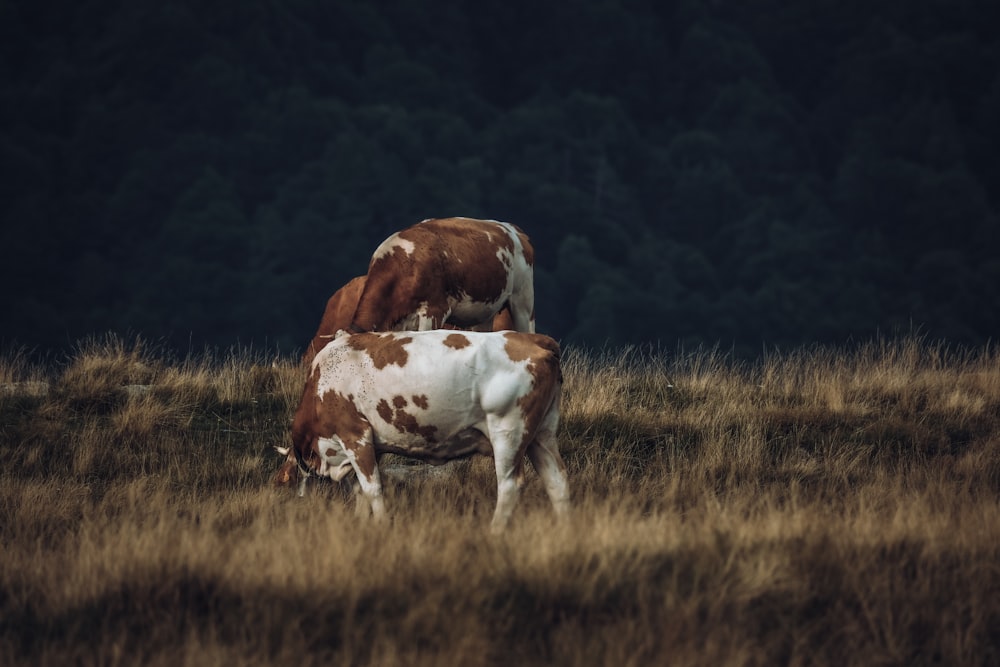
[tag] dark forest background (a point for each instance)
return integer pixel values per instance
(749, 173)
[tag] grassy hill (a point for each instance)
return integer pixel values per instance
(819, 506)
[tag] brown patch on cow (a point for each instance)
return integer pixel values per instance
(421, 401)
(304, 430)
(403, 421)
(529, 250)
(406, 422)
(384, 410)
(521, 346)
(503, 321)
(457, 341)
(483, 246)
(393, 288)
(382, 349)
(331, 452)
(542, 355)
(287, 474)
(338, 414)
(393, 291)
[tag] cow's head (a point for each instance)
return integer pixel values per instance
(296, 469)
(292, 471)
(288, 473)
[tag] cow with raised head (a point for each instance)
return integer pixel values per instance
(459, 271)
(436, 396)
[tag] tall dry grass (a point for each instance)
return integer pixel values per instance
(819, 507)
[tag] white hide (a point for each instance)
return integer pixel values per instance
(471, 395)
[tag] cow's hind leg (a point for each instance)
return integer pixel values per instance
(544, 455)
(508, 457)
(510, 475)
(362, 508)
(522, 310)
(543, 452)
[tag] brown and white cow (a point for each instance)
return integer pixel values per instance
(339, 313)
(460, 271)
(433, 395)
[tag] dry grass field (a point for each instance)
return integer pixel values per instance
(816, 507)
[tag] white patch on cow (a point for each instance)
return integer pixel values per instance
(419, 320)
(338, 465)
(352, 458)
(388, 246)
(522, 295)
(506, 258)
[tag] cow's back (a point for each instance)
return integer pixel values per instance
(460, 270)
(446, 378)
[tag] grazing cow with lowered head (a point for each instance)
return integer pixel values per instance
(433, 395)
(459, 271)
(340, 310)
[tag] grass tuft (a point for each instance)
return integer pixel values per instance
(820, 506)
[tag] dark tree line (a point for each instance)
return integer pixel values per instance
(747, 173)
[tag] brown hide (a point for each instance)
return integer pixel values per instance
(338, 314)
(441, 259)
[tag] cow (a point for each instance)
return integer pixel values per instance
(433, 395)
(460, 271)
(339, 313)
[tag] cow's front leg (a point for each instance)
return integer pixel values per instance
(544, 455)
(543, 452)
(361, 506)
(362, 456)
